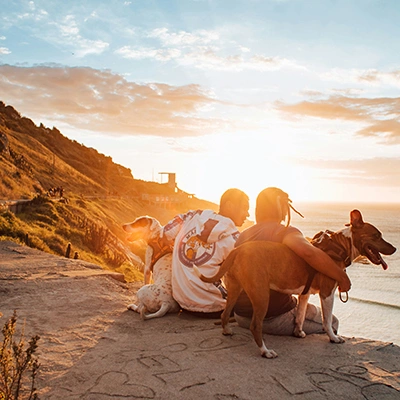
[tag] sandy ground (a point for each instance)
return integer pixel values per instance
(91, 347)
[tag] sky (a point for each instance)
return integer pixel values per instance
(299, 94)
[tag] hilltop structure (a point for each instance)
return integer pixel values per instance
(170, 195)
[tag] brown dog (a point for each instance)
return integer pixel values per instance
(255, 266)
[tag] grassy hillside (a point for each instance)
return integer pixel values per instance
(98, 196)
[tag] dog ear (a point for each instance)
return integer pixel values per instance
(155, 224)
(356, 219)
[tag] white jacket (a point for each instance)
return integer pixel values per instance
(203, 238)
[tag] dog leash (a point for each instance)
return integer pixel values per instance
(346, 299)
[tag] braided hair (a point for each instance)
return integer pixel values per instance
(273, 204)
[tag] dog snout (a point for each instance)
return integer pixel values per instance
(391, 251)
(387, 248)
(127, 227)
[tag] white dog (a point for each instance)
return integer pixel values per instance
(154, 300)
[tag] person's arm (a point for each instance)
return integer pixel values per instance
(172, 228)
(317, 259)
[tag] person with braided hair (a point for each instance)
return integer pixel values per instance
(273, 208)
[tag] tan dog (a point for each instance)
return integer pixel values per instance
(255, 266)
(154, 300)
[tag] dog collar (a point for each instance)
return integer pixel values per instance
(161, 246)
(324, 241)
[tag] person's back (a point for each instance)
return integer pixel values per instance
(272, 207)
(204, 238)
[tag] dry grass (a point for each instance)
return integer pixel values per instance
(18, 364)
(99, 196)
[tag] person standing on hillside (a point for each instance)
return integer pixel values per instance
(204, 238)
(272, 208)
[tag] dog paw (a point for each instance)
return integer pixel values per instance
(132, 307)
(337, 339)
(227, 331)
(299, 333)
(268, 353)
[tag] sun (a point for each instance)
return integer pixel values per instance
(249, 162)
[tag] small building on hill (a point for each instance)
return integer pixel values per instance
(170, 196)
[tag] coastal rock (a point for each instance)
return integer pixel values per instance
(93, 348)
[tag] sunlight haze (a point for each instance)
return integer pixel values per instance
(304, 95)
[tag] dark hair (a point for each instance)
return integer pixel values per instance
(233, 195)
(273, 204)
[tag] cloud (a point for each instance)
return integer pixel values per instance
(63, 32)
(33, 14)
(202, 49)
(389, 129)
(182, 38)
(102, 101)
(371, 77)
(379, 171)
(206, 58)
(4, 50)
(381, 116)
(68, 35)
(180, 146)
(140, 53)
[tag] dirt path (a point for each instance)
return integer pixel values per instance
(93, 348)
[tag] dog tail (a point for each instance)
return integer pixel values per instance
(223, 269)
(160, 313)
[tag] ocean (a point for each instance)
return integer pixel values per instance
(373, 308)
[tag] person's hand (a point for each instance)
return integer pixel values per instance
(345, 283)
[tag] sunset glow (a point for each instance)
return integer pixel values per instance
(303, 95)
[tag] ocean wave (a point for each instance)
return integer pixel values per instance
(375, 302)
